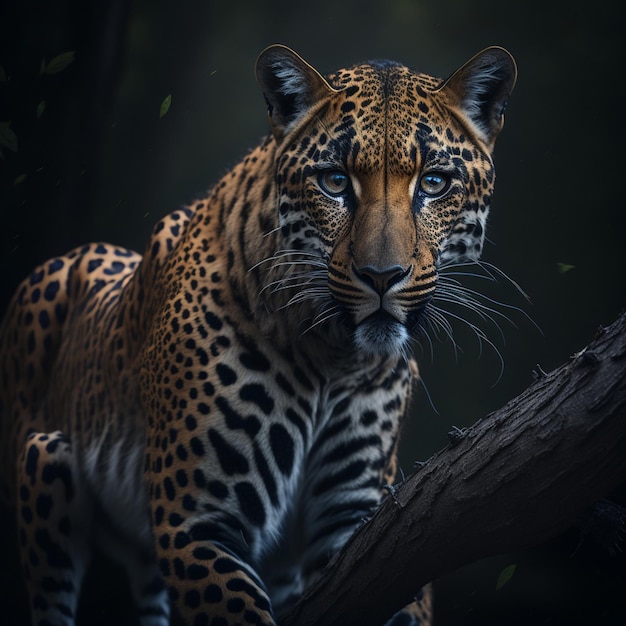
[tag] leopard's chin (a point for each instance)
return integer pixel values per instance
(381, 334)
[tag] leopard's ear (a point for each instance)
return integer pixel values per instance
(290, 87)
(480, 89)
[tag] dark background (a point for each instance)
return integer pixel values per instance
(96, 162)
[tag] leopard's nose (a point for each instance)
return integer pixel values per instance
(381, 279)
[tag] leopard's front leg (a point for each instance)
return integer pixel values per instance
(365, 435)
(53, 522)
(209, 581)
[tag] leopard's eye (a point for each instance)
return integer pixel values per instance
(434, 183)
(333, 183)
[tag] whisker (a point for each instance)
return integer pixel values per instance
(308, 294)
(479, 309)
(493, 269)
(491, 273)
(306, 257)
(453, 298)
(271, 232)
(293, 281)
(428, 396)
(482, 338)
(436, 318)
(322, 317)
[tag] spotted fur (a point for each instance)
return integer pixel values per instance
(221, 412)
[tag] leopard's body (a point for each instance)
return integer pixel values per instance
(222, 412)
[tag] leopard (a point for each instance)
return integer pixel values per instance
(220, 413)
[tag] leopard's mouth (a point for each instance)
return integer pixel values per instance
(382, 317)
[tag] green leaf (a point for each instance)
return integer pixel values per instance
(58, 63)
(165, 105)
(8, 139)
(505, 575)
(41, 107)
(564, 267)
(3, 74)
(19, 179)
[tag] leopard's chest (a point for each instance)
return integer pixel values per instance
(260, 423)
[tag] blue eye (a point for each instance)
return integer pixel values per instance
(333, 182)
(434, 183)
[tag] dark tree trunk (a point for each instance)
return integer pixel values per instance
(514, 479)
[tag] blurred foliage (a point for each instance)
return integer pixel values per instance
(86, 157)
(165, 105)
(564, 267)
(505, 576)
(8, 139)
(57, 64)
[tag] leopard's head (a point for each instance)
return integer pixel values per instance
(383, 176)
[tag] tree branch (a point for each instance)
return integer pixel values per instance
(514, 479)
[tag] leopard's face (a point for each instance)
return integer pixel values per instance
(384, 177)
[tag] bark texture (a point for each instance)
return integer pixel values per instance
(514, 479)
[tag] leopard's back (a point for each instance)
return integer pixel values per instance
(69, 341)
